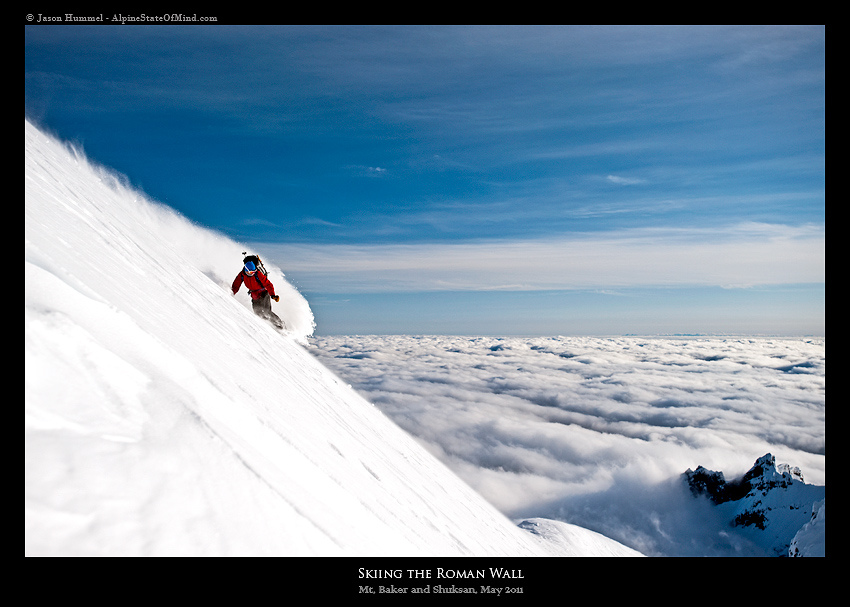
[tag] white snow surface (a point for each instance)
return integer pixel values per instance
(810, 540)
(163, 418)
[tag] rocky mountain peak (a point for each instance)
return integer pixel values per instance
(768, 505)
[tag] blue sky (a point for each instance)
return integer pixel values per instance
(496, 180)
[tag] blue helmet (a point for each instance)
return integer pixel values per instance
(250, 267)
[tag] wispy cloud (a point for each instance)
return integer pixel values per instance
(625, 180)
(361, 169)
(258, 222)
(316, 221)
(738, 256)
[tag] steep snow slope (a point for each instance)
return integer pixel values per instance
(810, 540)
(163, 418)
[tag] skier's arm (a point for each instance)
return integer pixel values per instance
(237, 282)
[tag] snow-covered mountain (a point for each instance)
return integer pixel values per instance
(771, 506)
(810, 540)
(162, 417)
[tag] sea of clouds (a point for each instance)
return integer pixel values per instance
(598, 431)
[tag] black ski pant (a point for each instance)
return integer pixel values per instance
(263, 307)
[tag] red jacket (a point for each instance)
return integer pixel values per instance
(255, 284)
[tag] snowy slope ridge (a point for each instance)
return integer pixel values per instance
(164, 418)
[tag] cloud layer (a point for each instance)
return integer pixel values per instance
(739, 256)
(596, 431)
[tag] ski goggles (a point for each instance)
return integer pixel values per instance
(250, 268)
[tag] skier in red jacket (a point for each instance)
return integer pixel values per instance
(261, 290)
